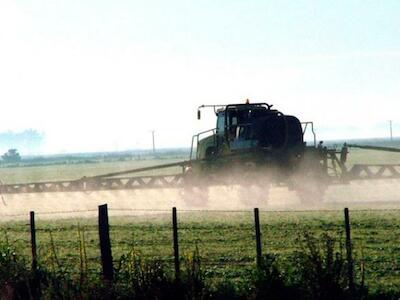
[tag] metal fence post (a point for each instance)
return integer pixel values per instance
(258, 236)
(176, 244)
(33, 239)
(105, 244)
(349, 256)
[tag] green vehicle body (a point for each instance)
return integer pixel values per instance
(251, 137)
(254, 145)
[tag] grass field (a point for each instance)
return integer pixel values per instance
(361, 156)
(75, 171)
(225, 240)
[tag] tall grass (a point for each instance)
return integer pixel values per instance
(316, 271)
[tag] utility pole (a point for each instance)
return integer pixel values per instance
(154, 145)
(391, 131)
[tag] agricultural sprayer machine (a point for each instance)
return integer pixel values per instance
(253, 147)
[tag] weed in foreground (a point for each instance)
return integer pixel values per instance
(320, 269)
(316, 271)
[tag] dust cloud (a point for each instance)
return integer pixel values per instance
(372, 194)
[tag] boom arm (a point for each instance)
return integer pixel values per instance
(378, 148)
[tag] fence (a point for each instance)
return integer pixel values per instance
(228, 240)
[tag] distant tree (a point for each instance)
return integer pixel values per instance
(11, 156)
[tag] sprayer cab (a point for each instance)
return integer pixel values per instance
(255, 126)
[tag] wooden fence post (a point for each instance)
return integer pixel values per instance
(176, 244)
(105, 244)
(33, 240)
(349, 256)
(258, 236)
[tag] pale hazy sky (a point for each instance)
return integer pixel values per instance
(99, 75)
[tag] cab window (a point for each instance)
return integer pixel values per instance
(221, 124)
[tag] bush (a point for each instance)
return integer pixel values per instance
(320, 269)
(15, 278)
(269, 281)
(317, 271)
(140, 279)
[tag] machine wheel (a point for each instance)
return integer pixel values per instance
(310, 182)
(310, 187)
(195, 191)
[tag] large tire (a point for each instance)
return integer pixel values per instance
(195, 191)
(310, 182)
(310, 186)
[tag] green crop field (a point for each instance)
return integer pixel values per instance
(226, 240)
(361, 156)
(75, 171)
